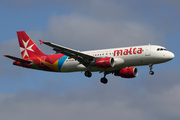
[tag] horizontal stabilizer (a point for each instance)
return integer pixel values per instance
(18, 59)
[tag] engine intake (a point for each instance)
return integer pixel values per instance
(129, 72)
(106, 62)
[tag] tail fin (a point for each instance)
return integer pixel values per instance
(28, 48)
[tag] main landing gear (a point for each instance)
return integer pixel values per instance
(151, 72)
(103, 79)
(88, 74)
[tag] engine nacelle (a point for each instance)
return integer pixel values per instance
(129, 72)
(106, 62)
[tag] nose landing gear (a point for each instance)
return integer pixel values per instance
(151, 72)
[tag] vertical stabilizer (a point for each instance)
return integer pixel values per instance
(28, 48)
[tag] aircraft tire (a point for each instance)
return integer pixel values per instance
(88, 74)
(104, 80)
(151, 72)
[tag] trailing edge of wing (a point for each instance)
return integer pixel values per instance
(69, 52)
(18, 59)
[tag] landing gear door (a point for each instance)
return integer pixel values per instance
(42, 61)
(148, 50)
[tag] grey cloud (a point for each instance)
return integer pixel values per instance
(83, 32)
(10, 47)
(55, 108)
(112, 101)
(159, 83)
(160, 14)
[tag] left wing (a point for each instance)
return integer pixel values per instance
(81, 57)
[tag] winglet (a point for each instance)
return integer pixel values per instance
(41, 42)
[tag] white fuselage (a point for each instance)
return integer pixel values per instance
(124, 57)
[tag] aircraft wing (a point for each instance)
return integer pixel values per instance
(81, 57)
(18, 59)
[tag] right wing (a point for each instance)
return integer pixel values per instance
(18, 59)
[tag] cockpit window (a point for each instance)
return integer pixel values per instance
(161, 49)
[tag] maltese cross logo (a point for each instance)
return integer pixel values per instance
(26, 48)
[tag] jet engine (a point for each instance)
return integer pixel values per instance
(129, 72)
(106, 62)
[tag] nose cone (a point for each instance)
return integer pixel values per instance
(171, 55)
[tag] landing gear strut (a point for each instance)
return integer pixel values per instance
(151, 72)
(88, 74)
(103, 79)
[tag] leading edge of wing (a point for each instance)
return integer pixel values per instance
(69, 52)
(18, 59)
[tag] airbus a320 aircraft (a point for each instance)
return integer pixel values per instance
(118, 61)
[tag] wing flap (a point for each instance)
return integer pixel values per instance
(18, 59)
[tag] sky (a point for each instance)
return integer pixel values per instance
(88, 25)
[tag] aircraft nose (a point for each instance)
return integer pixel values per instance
(171, 55)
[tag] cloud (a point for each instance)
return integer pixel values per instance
(84, 32)
(112, 101)
(161, 15)
(10, 47)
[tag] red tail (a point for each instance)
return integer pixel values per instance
(28, 48)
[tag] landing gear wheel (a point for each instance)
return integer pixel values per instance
(88, 74)
(151, 72)
(104, 80)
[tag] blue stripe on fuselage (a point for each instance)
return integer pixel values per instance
(61, 61)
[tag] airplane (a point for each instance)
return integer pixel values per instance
(118, 61)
